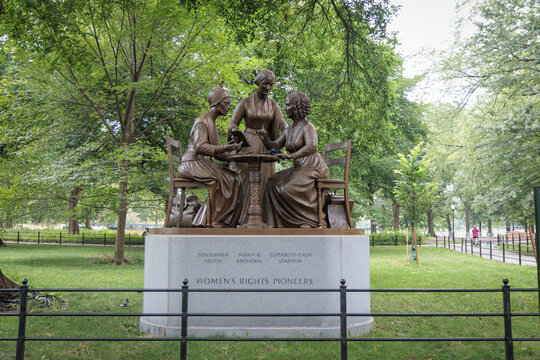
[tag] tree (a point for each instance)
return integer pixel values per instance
(501, 58)
(413, 190)
(129, 66)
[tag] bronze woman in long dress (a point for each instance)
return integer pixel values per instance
(258, 112)
(290, 196)
(222, 207)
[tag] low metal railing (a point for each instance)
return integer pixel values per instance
(60, 238)
(505, 248)
(344, 338)
(388, 239)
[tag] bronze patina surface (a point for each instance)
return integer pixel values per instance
(290, 196)
(254, 161)
(222, 206)
(257, 111)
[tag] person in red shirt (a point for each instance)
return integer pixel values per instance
(475, 233)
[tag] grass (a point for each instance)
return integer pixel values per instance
(90, 267)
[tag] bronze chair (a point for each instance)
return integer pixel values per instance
(176, 182)
(324, 184)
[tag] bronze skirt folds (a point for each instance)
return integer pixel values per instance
(223, 188)
(290, 196)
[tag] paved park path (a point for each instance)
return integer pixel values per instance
(488, 250)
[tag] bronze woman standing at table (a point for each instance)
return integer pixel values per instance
(290, 196)
(196, 164)
(258, 112)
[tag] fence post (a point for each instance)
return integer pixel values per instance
(38, 237)
(527, 239)
(472, 247)
(480, 247)
(454, 241)
(519, 248)
(22, 321)
(512, 241)
(129, 239)
(490, 250)
(60, 238)
(498, 239)
(444, 241)
(104, 238)
(508, 341)
(343, 318)
(82, 239)
(461, 244)
(184, 325)
(504, 254)
(437, 240)
(18, 237)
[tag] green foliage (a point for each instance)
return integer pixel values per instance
(486, 151)
(99, 82)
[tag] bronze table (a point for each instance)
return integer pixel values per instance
(254, 162)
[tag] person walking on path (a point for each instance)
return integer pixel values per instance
(475, 233)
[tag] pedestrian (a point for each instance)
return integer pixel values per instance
(475, 233)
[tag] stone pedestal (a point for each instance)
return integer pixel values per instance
(247, 259)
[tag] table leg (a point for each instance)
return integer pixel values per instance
(255, 219)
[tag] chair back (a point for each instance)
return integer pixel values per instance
(339, 160)
(174, 155)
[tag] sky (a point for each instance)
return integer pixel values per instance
(422, 26)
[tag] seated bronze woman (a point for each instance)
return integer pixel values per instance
(290, 196)
(223, 206)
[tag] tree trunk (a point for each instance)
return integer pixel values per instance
(87, 222)
(396, 214)
(449, 223)
(122, 213)
(467, 222)
(73, 222)
(431, 225)
(6, 283)
(128, 130)
(373, 224)
(383, 225)
(480, 227)
(414, 240)
(490, 229)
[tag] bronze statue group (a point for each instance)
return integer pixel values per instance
(289, 197)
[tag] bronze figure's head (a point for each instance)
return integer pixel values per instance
(220, 98)
(298, 105)
(265, 81)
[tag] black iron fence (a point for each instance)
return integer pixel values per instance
(389, 239)
(84, 238)
(503, 248)
(343, 338)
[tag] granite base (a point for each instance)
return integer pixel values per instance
(212, 261)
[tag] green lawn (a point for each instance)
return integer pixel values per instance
(89, 267)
